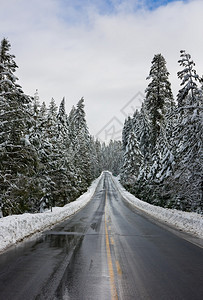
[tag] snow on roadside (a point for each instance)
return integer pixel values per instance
(16, 227)
(186, 221)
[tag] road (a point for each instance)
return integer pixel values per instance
(105, 251)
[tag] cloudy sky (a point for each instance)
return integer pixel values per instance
(100, 50)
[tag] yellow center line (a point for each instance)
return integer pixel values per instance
(114, 295)
(119, 271)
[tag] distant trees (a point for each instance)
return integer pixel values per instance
(112, 157)
(170, 140)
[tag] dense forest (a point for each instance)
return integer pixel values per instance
(162, 143)
(47, 157)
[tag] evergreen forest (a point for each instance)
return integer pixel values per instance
(49, 158)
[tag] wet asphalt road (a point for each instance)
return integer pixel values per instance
(105, 251)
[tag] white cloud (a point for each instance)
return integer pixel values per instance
(64, 51)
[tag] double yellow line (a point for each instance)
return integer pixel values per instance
(114, 295)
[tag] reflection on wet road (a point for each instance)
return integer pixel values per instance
(105, 251)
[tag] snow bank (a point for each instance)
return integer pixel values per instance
(186, 221)
(16, 227)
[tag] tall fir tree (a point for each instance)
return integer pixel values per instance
(82, 145)
(18, 160)
(188, 138)
(187, 95)
(159, 96)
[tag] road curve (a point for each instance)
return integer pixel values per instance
(105, 251)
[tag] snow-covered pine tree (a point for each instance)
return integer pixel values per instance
(82, 145)
(18, 159)
(80, 123)
(187, 181)
(62, 119)
(99, 155)
(71, 126)
(66, 177)
(149, 126)
(43, 109)
(157, 105)
(49, 153)
(132, 161)
(36, 103)
(187, 96)
(126, 131)
(35, 131)
(95, 168)
(117, 157)
(158, 96)
(36, 138)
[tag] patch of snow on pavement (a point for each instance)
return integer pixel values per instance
(16, 227)
(189, 222)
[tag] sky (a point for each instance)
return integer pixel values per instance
(100, 50)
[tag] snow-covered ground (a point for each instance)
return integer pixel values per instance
(16, 227)
(189, 222)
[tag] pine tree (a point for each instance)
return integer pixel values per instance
(36, 138)
(18, 159)
(187, 181)
(71, 126)
(80, 123)
(62, 117)
(188, 94)
(100, 157)
(117, 157)
(66, 176)
(82, 155)
(159, 96)
(132, 160)
(43, 110)
(94, 163)
(126, 131)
